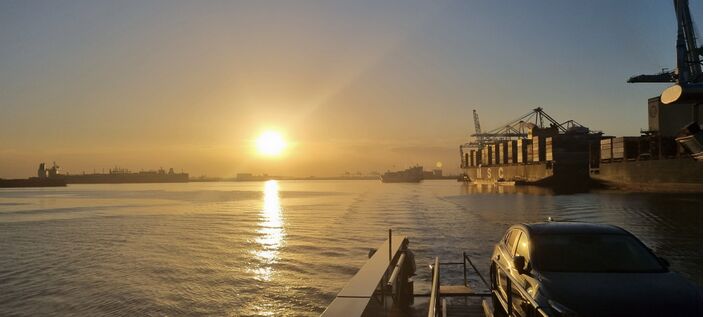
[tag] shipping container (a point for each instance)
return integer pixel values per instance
(538, 149)
(606, 149)
(529, 153)
(512, 152)
(644, 148)
(500, 150)
(657, 147)
(548, 148)
(520, 152)
(492, 153)
(485, 155)
(522, 148)
(625, 148)
(478, 157)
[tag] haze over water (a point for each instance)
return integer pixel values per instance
(276, 248)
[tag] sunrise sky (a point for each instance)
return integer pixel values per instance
(350, 85)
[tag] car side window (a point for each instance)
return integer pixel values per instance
(523, 247)
(511, 240)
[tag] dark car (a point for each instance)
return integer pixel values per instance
(582, 269)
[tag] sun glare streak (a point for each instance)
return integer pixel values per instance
(271, 231)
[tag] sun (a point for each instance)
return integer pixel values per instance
(271, 143)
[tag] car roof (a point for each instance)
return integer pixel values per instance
(561, 227)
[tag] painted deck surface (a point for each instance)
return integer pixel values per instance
(456, 307)
(455, 290)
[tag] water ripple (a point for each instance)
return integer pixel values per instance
(252, 249)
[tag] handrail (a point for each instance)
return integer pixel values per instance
(353, 299)
(525, 295)
(435, 292)
(397, 269)
(467, 259)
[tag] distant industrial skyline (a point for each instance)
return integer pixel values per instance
(351, 85)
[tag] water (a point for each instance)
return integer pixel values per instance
(275, 248)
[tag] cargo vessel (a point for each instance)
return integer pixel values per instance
(533, 149)
(410, 175)
(117, 176)
(668, 155)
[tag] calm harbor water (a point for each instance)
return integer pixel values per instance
(276, 248)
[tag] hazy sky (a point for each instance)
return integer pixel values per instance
(354, 85)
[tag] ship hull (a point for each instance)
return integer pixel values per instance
(548, 174)
(401, 179)
(31, 182)
(125, 178)
(668, 175)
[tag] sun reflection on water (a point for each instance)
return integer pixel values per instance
(271, 231)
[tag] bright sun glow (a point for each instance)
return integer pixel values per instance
(271, 143)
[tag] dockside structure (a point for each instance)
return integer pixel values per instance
(531, 152)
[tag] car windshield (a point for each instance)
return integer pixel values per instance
(592, 253)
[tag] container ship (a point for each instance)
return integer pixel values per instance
(668, 155)
(118, 176)
(410, 175)
(533, 149)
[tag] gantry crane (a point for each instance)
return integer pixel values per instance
(687, 74)
(477, 128)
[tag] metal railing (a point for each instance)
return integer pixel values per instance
(434, 303)
(397, 269)
(525, 296)
(466, 260)
(379, 280)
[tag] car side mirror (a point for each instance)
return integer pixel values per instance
(519, 263)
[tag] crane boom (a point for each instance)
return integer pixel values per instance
(688, 69)
(477, 128)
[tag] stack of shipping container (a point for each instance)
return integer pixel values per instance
(631, 148)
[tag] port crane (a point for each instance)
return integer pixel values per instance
(477, 128)
(687, 74)
(521, 126)
(687, 77)
(518, 128)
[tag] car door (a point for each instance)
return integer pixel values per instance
(521, 306)
(503, 259)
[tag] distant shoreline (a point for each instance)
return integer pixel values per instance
(332, 178)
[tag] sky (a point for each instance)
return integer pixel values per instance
(354, 86)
